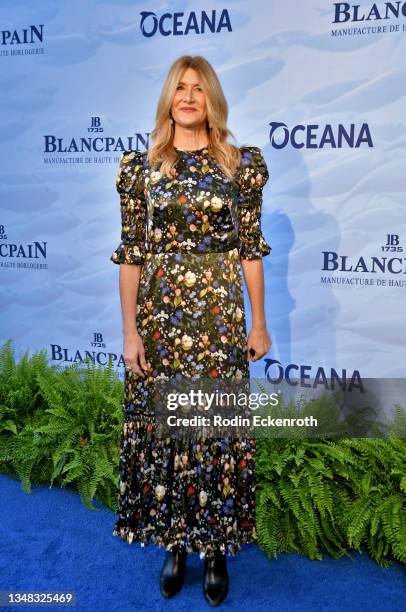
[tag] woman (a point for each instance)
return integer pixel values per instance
(191, 209)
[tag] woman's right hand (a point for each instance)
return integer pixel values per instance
(134, 353)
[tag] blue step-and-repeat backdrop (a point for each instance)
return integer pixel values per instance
(320, 86)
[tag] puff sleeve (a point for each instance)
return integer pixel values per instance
(252, 176)
(130, 186)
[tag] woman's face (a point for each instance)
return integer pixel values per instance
(189, 103)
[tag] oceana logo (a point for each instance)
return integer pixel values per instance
(344, 11)
(314, 136)
(312, 376)
(181, 24)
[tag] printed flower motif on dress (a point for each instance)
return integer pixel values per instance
(200, 210)
(252, 178)
(190, 234)
(131, 249)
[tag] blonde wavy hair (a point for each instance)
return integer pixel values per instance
(162, 154)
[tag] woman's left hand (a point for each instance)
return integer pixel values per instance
(260, 341)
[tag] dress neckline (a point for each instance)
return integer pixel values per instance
(192, 150)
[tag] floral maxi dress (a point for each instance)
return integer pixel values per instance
(189, 234)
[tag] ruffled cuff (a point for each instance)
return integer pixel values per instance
(128, 254)
(255, 248)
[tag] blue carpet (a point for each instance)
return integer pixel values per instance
(51, 542)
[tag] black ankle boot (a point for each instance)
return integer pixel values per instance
(173, 572)
(215, 583)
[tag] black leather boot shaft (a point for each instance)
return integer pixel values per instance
(173, 572)
(215, 583)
